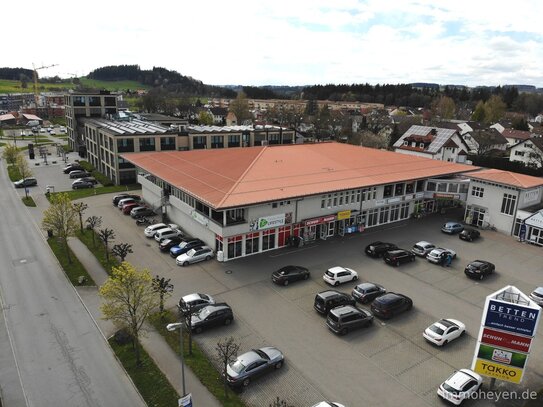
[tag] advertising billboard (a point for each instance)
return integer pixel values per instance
(511, 317)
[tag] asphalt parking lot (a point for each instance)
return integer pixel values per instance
(387, 364)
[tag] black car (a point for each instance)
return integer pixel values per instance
(377, 249)
(288, 274)
(367, 292)
(117, 198)
(398, 256)
(92, 180)
(70, 168)
(469, 234)
(141, 212)
(390, 304)
(326, 300)
(210, 316)
(479, 269)
(167, 244)
(341, 320)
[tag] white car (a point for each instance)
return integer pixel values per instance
(444, 331)
(537, 296)
(436, 255)
(337, 275)
(194, 302)
(167, 233)
(152, 229)
(328, 404)
(422, 248)
(459, 386)
(194, 255)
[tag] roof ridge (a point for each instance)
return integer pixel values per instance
(238, 181)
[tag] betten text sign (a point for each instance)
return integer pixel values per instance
(511, 317)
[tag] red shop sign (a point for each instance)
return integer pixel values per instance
(318, 221)
(506, 340)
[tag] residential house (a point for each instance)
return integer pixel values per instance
(484, 141)
(529, 152)
(219, 115)
(516, 136)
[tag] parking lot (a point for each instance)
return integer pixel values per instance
(387, 364)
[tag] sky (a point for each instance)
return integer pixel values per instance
(286, 42)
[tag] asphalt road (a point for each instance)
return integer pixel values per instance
(61, 357)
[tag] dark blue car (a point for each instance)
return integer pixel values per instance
(184, 247)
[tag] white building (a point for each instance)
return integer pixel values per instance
(529, 152)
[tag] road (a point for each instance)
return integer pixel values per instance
(57, 351)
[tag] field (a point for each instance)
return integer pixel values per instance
(7, 86)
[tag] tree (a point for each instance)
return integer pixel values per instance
(23, 168)
(444, 107)
(371, 140)
(494, 109)
(24, 81)
(122, 250)
(205, 118)
(105, 236)
(79, 208)
(227, 350)
(479, 113)
(163, 288)
(520, 123)
(93, 222)
(129, 298)
(240, 107)
(280, 403)
(10, 153)
(60, 218)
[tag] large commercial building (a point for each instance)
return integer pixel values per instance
(243, 201)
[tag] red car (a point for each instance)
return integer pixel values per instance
(129, 206)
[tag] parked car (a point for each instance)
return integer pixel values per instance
(452, 228)
(443, 331)
(397, 257)
(127, 208)
(328, 404)
(152, 229)
(210, 316)
(367, 292)
(194, 302)
(537, 296)
(390, 304)
(347, 318)
(167, 244)
(124, 201)
(141, 211)
(337, 275)
(479, 269)
(167, 233)
(252, 364)
(469, 234)
(377, 249)
(72, 167)
(88, 179)
(78, 174)
(117, 198)
(195, 255)
(326, 300)
(422, 248)
(460, 386)
(438, 255)
(185, 246)
(286, 275)
(78, 184)
(26, 182)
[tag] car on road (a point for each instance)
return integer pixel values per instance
(452, 228)
(141, 211)
(377, 249)
(438, 255)
(479, 269)
(460, 386)
(194, 302)
(167, 233)
(167, 244)
(367, 292)
(444, 331)
(210, 316)
(127, 207)
(469, 234)
(195, 255)
(185, 246)
(328, 404)
(252, 364)
(342, 320)
(118, 197)
(422, 248)
(329, 299)
(152, 229)
(78, 184)
(26, 182)
(288, 274)
(337, 275)
(537, 296)
(390, 304)
(398, 256)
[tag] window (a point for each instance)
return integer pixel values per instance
(147, 144)
(167, 143)
(430, 186)
(268, 239)
(398, 189)
(404, 210)
(234, 140)
(217, 141)
(372, 217)
(519, 153)
(251, 243)
(409, 188)
(383, 215)
(387, 192)
(464, 188)
(453, 188)
(199, 142)
(477, 191)
(234, 247)
(508, 204)
(420, 185)
(442, 187)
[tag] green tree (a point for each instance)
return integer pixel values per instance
(61, 219)
(494, 109)
(10, 153)
(520, 123)
(129, 299)
(444, 107)
(23, 168)
(479, 113)
(79, 208)
(205, 118)
(240, 107)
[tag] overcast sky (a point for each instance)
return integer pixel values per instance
(285, 42)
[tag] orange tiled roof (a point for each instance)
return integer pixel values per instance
(230, 177)
(507, 178)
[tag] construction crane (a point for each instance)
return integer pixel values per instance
(35, 75)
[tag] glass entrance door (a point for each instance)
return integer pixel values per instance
(331, 229)
(323, 231)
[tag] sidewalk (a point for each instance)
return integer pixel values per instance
(152, 342)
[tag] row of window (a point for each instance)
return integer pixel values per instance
(447, 187)
(478, 192)
(340, 198)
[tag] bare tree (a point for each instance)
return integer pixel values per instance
(122, 250)
(79, 208)
(105, 236)
(280, 403)
(23, 168)
(164, 289)
(93, 222)
(227, 350)
(187, 316)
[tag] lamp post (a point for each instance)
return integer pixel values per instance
(173, 327)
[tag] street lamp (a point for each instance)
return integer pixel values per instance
(171, 328)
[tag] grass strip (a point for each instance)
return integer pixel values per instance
(198, 361)
(28, 201)
(98, 249)
(153, 386)
(13, 173)
(86, 192)
(74, 269)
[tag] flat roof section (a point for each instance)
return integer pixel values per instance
(231, 177)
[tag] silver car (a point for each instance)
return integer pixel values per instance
(252, 364)
(422, 248)
(195, 255)
(436, 256)
(537, 296)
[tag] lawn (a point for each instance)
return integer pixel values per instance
(98, 249)
(198, 361)
(13, 173)
(7, 86)
(112, 85)
(74, 269)
(86, 192)
(153, 386)
(28, 201)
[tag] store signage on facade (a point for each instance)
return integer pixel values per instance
(271, 221)
(380, 202)
(419, 195)
(535, 220)
(394, 200)
(498, 371)
(198, 217)
(506, 340)
(447, 196)
(318, 221)
(343, 215)
(531, 195)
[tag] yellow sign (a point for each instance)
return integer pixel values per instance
(498, 371)
(343, 215)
